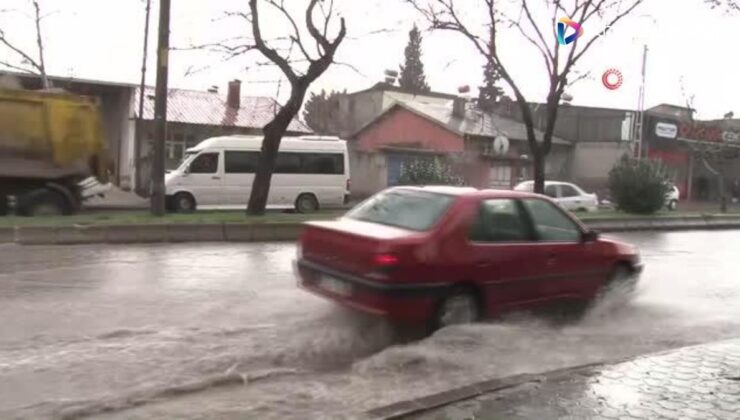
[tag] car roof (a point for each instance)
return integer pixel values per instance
(549, 183)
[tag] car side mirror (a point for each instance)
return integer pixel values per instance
(186, 170)
(590, 236)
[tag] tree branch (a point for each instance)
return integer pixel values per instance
(297, 33)
(24, 56)
(15, 67)
(268, 52)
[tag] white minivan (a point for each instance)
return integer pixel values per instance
(311, 172)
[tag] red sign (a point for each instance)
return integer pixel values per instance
(700, 132)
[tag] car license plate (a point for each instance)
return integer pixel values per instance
(335, 286)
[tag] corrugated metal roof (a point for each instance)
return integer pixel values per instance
(475, 122)
(209, 108)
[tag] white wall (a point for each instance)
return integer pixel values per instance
(389, 98)
(368, 173)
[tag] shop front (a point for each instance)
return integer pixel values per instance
(697, 155)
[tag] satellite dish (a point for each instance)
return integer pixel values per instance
(500, 145)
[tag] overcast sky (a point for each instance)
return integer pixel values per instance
(102, 39)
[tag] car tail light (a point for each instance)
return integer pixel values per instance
(349, 183)
(385, 260)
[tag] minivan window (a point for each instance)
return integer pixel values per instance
(413, 210)
(205, 163)
(242, 162)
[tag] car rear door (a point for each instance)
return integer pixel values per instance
(505, 259)
(572, 268)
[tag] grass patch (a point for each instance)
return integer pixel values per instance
(143, 218)
(615, 214)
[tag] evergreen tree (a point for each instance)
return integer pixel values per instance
(490, 93)
(321, 112)
(412, 76)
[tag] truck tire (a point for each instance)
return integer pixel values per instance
(43, 202)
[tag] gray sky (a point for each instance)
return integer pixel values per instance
(101, 39)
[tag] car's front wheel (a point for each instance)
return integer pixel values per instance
(459, 307)
(183, 203)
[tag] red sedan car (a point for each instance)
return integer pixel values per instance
(448, 255)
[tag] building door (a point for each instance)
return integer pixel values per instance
(500, 177)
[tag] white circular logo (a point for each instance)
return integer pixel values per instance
(501, 145)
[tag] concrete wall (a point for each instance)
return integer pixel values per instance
(368, 173)
(403, 128)
(358, 109)
(592, 161)
(389, 98)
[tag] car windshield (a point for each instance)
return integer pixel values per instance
(413, 210)
(186, 159)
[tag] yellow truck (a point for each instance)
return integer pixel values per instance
(52, 145)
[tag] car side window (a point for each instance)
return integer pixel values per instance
(500, 220)
(551, 224)
(551, 191)
(206, 163)
(568, 191)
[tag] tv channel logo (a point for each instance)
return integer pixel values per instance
(562, 25)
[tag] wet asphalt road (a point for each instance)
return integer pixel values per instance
(174, 331)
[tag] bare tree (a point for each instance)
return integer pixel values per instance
(28, 64)
(714, 156)
(300, 72)
(559, 60)
(728, 5)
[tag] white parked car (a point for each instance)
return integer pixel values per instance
(671, 199)
(569, 196)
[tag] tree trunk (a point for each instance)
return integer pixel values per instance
(538, 168)
(274, 132)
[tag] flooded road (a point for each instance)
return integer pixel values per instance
(221, 331)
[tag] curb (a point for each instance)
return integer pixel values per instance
(418, 405)
(265, 232)
(155, 233)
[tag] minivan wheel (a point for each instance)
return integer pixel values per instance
(306, 203)
(673, 205)
(460, 307)
(183, 203)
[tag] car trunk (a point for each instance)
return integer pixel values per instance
(349, 245)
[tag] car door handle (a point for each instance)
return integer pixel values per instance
(215, 177)
(551, 259)
(483, 264)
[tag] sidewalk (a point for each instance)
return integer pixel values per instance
(701, 382)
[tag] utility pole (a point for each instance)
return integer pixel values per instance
(142, 93)
(160, 109)
(639, 125)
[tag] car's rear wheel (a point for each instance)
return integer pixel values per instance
(459, 307)
(306, 203)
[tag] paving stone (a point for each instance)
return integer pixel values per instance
(698, 387)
